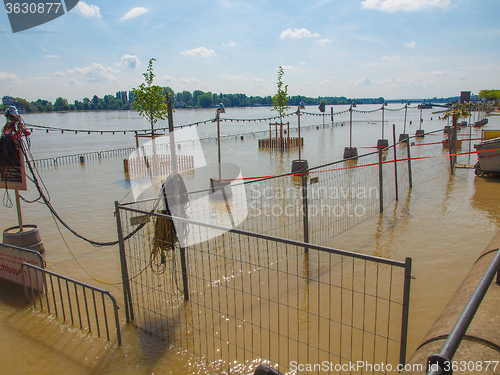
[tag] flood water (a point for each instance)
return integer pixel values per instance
(443, 224)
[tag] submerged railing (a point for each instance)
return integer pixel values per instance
(71, 301)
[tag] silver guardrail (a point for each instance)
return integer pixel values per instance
(65, 296)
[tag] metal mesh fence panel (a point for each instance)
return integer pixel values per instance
(239, 298)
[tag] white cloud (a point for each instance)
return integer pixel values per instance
(230, 44)
(410, 44)
(41, 78)
(129, 61)
(199, 52)
(363, 82)
(302, 63)
(404, 5)
(463, 78)
(73, 82)
(52, 56)
(95, 73)
(166, 78)
(440, 73)
(59, 74)
(297, 34)
(228, 78)
(324, 82)
(390, 58)
(190, 81)
(289, 67)
(88, 10)
(257, 80)
(134, 12)
(323, 41)
(9, 77)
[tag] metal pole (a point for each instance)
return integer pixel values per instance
(331, 115)
(173, 155)
(405, 313)
(410, 178)
(218, 142)
(383, 119)
(184, 274)
(19, 213)
(395, 159)
(380, 181)
(350, 126)
(420, 125)
(127, 295)
(305, 209)
(298, 122)
(406, 111)
(470, 135)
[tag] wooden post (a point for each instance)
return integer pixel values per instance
(410, 178)
(395, 159)
(19, 213)
(380, 181)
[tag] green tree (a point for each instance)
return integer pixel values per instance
(60, 104)
(149, 100)
(205, 100)
(280, 100)
(490, 95)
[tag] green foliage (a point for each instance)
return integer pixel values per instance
(456, 112)
(490, 95)
(205, 100)
(280, 100)
(149, 100)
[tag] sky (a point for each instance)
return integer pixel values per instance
(353, 48)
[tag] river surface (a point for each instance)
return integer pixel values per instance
(443, 224)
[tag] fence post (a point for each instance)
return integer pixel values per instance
(380, 181)
(395, 159)
(410, 178)
(127, 295)
(405, 313)
(305, 209)
(184, 273)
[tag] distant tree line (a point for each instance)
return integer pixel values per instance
(123, 100)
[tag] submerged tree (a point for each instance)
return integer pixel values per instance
(149, 100)
(456, 112)
(280, 100)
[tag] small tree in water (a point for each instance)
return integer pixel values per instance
(149, 100)
(280, 100)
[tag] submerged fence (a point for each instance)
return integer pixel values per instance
(239, 298)
(72, 302)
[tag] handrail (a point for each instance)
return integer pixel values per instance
(440, 364)
(66, 292)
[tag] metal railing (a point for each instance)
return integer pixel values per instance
(240, 298)
(441, 363)
(83, 157)
(71, 301)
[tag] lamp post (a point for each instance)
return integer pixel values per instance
(299, 165)
(350, 152)
(419, 133)
(383, 143)
(404, 136)
(220, 189)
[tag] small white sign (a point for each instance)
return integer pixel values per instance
(11, 258)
